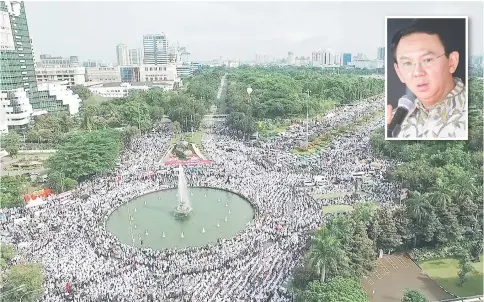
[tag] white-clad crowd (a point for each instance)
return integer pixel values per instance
(75, 248)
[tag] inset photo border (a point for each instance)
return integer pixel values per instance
(426, 78)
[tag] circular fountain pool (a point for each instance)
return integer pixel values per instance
(216, 214)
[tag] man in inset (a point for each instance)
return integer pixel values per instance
(425, 60)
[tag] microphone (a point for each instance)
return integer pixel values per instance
(406, 105)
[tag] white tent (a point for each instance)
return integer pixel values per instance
(36, 202)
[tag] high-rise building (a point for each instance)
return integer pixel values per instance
(136, 56)
(381, 53)
(18, 85)
(291, 60)
(346, 59)
(122, 54)
(155, 49)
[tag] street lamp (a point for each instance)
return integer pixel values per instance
(249, 91)
(307, 119)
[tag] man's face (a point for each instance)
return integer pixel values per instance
(424, 68)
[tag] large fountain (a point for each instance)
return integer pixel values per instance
(180, 218)
(183, 208)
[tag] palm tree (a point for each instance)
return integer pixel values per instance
(324, 249)
(418, 207)
(440, 194)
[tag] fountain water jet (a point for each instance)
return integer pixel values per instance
(183, 208)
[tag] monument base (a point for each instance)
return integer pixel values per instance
(182, 212)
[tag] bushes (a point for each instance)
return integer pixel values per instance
(424, 254)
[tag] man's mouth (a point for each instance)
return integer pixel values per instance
(421, 87)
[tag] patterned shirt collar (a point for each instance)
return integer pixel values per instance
(448, 101)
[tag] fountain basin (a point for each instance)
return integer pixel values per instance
(157, 217)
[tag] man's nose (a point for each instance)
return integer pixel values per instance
(418, 70)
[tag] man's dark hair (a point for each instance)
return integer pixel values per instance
(439, 27)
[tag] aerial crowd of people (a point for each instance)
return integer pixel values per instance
(83, 261)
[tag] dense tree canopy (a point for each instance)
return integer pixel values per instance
(11, 143)
(23, 282)
(86, 153)
(11, 189)
(445, 184)
(83, 92)
(7, 252)
(51, 128)
(279, 93)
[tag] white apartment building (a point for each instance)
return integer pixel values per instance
(73, 75)
(291, 59)
(232, 64)
(58, 95)
(117, 90)
(158, 73)
(15, 110)
(103, 74)
(326, 58)
(368, 64)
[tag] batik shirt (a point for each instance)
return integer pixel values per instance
(446, 119)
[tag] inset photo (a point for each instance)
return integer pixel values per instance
(426, 78)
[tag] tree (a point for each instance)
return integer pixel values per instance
(325, 248)
(7, 252)
(463, 255)
(11, 143)
(83, 92)
(176, 127)
(359, 250)
(84, 154)
(389, 238)
(11, 189)
(130, 133)
(413, 296)
(23, 282)
(303, 275)
(464, 269)
(59, 183)
(336, 290)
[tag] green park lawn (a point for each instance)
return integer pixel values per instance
(95, 99)
(337, 208)
(196, 138)
(444, 272)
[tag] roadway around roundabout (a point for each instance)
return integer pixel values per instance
(217, 214)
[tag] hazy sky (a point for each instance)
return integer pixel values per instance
(91, 30)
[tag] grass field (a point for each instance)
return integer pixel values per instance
(95, 99)
(196, 139)
(444, 272)
(330, 195)
(337, 208)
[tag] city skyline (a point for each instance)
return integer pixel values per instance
(234, 29)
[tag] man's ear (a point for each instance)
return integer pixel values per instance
(399, 74)
(453, 61)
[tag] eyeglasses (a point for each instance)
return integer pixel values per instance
(425, 63)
